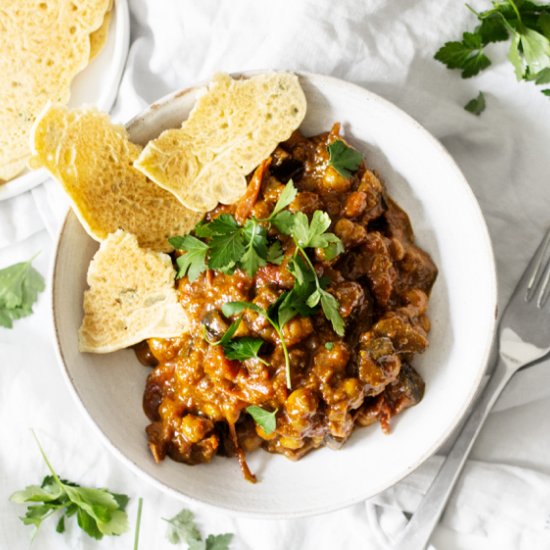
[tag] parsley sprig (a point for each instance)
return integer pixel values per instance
(20, 285)
(265, 419)
(182, 527)
(98, 511)
(228, 245)
(528, 26)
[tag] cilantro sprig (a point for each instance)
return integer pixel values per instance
(526, 23)
(182, 527)
(20, 285)
(98, 512)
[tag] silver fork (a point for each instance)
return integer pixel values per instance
(523, 338)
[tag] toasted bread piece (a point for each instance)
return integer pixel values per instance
(44, 44)
(131, 297)
(234, 125)
(93, 161)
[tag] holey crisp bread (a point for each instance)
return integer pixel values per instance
(131, 297)
(234, 125)
(44, 44)
(93, 160)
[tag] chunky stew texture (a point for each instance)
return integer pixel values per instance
(196, 398)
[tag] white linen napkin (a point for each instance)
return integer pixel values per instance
(501, 500)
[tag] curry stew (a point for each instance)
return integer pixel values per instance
(196, 398)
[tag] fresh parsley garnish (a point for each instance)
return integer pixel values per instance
(343, 159)
(528, 26)
(265, 419)
(20, 285)
(193, 262)
(98, 511)
(182, 527)
(477, 105)
(329, 345)
(228, 245)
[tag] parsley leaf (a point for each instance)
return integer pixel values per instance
(546, 92)
(275, 253)
(20, 285)
(477, 105)
(99, 512)
(265, 419)
(466, 55)
(255, 252)
(285, 198)
(182, 527)
(244, 348)
(193, 262)
(343, 159)
(329, 345)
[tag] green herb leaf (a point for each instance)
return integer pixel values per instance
(492, 29)
(536, 50)
(343, 159)
(255, 252)
(20, 285)
(219, 542)
(265, 419)
(99, 512)
(275, 253)
(193, 262)
(182, 527)
(284, 222)
(330, 309)
(546, 91)
(466, 55)
(329, 345)
(226, 250)
(285, 198)
(477, 105)
(241, 349)
(232, 308)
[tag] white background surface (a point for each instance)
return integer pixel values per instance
(502, 500)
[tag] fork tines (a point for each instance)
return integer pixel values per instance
(539, 280)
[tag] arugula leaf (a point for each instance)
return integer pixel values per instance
(182, 527)
(193, 262)
(477, 105)
(343, 159)
(244, 348)
(99, 512)
(466, 55)
(265, 419)
(20, 285)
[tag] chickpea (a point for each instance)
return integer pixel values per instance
(297, 329)
(334, 181)
(351, 233)
(355, 204)
(194, 428)
(301, 402)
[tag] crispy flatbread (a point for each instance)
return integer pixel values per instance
(93, 160)
(43, 45)
(131, 297)
(233, 127)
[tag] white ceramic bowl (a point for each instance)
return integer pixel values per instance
(447, 221)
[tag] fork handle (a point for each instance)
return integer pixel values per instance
(416, 534)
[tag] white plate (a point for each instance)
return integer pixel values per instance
(424, 179)
(96, 85)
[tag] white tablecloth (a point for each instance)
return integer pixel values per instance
(502, 499)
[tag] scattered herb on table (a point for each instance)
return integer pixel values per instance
(526, 23)
(477, 105)
(20, 285)
(265, 419)
(98, 512)
(138, 524)
(182, 528)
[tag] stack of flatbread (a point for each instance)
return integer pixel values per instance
(132, 199)
(44, 44)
